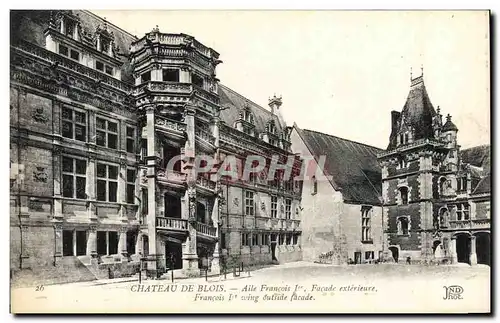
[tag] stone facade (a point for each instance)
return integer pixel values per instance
(96, 117)
(433, 210)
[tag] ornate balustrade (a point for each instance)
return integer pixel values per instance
(65, 62)
(414, 144)
(171, 176)
(206, 229)
(205, 183)
(206, 136)
(470, 224)
(171, 224)
(170, 125)
(169, 87)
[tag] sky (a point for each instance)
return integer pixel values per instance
(343, 72)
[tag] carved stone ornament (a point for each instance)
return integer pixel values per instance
(40, 116)
(236, 201)
(40, 175)
(263, 206)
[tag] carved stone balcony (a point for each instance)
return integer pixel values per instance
(205, 230)
(205, 140)
(205, 186)
(472, 224)
(171, 224)
(164, 88)
(174, 129)
(171, 178)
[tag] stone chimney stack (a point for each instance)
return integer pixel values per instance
(275, 104)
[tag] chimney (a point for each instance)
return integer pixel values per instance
(275, 104)
(395, 115)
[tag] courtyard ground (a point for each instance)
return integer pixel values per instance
(293, 287)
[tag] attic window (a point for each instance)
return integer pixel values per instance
(105, 44)
(248, 116)
(69, 28)
(272, 127)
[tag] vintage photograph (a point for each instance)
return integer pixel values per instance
(170, 161)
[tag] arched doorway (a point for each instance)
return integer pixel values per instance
(483, 250)
(437, 249)
(395, 253)
(200, 212)
(463, 247)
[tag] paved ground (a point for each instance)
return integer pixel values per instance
(297, 286)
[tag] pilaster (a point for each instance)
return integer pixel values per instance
(58, 244)
(453, 250)
(473, 255)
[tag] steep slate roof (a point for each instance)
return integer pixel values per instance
(484, 186)
(353, 166)
(235, 102)
(478, 156)
(417, 112)
(30, 25)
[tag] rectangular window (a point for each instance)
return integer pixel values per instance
(99, 66)
(63, 50)
(463, 211)
(288, 239)
(130, 186)
(369, 255)
(131, 241)
(170, 75)
(295, 239)
(249, 203)
(74, 124)
(288, 209)
(108, 70)
(107, 182)
(197, 80)
(281, 239)
(366, 224)
(245, 239)
(145, 77)
(113, 242)
(67, 243)
(254, 240)
(107, 133)
(274, 206)
(81, 243)
(102, 243)
(75, 55)
(130, 139)
(74, 177)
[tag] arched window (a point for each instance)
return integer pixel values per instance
(200, 212)
(443, 185)
(403, 194)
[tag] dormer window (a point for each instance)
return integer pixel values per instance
(170, 75)
(248, 116)
(272, 127)
(69, 28)
(105, 45)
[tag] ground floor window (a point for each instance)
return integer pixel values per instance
(131, 241)
(295, 239)
(369, 255)
(282, 239)
(74, 243)
(107, 243)
(245, 239)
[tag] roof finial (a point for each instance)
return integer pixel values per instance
(448, 117)
(422, 69)
(438, 110)
(411, 73)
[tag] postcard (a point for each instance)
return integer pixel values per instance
(167, 161)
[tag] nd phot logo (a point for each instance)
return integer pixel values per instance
(453, 292)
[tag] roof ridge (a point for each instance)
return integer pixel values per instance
(245, 98)
(109, 23)
(356, 142)
(478, 146)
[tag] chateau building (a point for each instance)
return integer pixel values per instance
(436, 197)
(108, 134)
(341, 201)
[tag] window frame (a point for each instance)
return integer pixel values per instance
(130, 139)
(74, 175)
(366, 224)
(107, 132)
(107, 181)
(130, 185)
(165, 71)
(288, 209)
(249, 203)
(274, 207)
(74, 123)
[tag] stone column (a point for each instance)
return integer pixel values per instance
(57, 168)
(151, 164)
(58, 243)
(122, 188)
(122, 242)
(473, 255)
(92, 244)
(189, 252)
(138, 245)
(453, 250)
(25, 247)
